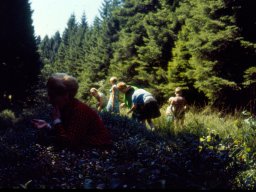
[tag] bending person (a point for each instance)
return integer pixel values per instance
(101, 98)
(144, 105)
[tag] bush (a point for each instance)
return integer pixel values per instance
(7, 118)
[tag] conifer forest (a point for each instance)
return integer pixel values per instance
(206, 47)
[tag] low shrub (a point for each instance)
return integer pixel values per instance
(7, 118)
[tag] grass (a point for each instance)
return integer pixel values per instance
(206, 121)
(235, 133)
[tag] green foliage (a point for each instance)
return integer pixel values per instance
(131, 34)
(250, 76)
(205, 47)
(155, 53)
(48, 48)
(230, 133)
(246, 179)
(7, 114)
(221, 134)
(200, 46)
(208, 51)
(7, 118)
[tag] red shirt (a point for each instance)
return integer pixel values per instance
(82, 125)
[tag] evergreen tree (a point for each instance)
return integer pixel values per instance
(206, 47)
(98, 49)
(67, 55)
(44, 49)
(48, 50)
(56, 44)
(80, 35)
(93, 59)
(209, 54)
(155, 53)
(19, 60)
(244, 10)
(132, 31)
(38, 40)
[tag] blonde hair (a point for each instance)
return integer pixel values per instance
(61, 83)
(170, 100)
(178, 90)
(93, 90)
(113, 79)
(121, 85)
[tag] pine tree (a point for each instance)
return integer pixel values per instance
(48, 49)
(19, 60)
(155, 53)
(132, 31)
(209, 54)
(98, 49)
(67, 55)
(205, 47)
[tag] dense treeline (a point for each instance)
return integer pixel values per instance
(206, 47)
(19, 60)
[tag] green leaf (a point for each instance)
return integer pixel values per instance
(202, 139)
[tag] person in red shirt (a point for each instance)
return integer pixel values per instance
(75, 123)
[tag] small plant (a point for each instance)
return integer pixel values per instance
(246, 180)
(7, 118)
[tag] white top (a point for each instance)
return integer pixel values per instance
(169, 110)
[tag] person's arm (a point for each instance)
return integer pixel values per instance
(122, 105)
(185, 105)
(134, 106)
(134, 103)
(100, 103)
(113, 97)
(40, 124)
(173, 109)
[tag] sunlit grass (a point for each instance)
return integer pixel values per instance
(206, 121)
(231, 129)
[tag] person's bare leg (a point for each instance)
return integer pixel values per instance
(151, 124)
(182, 122)
(177, 125)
